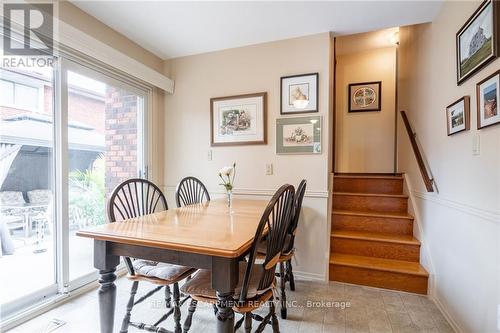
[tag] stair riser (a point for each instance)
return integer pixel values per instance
(394, 226)
(381, 279)
(369, 248)
(368, 185)
(370, 203)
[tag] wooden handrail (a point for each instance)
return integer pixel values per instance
(420, 161)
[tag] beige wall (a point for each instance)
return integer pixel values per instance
(460, 224)
(256, 68)
(365, 140)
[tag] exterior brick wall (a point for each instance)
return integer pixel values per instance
(121, 137)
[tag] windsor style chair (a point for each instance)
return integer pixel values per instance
(191, 191)
(130, 199)
(285, 260)
(256, 282)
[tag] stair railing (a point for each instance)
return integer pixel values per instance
(428, 181)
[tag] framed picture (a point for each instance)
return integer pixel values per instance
(487, 96)
(458, 116)
(299, 94)
(365, 96)
(239, 120)
(478, 40)
(298, 135)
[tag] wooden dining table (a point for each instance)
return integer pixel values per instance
(207, 236)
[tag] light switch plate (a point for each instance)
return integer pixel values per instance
(269, 169)
(476, 145)
(209, 155)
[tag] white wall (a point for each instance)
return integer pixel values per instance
(460, 223)
(251, 69)
(365, 140)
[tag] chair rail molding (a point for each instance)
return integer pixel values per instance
(254, 192)
(492, 216)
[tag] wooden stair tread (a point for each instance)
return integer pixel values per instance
(370, 236)
(374, 214)
(387, 265)
(355, 194)
(373, 176)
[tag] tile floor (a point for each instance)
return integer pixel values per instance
(318, 307)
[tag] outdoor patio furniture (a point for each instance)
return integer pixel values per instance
(12, 218)
(40, 196)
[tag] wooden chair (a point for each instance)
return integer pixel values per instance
(190, 191)
(285, 260)
(256, 281)
(133, 198)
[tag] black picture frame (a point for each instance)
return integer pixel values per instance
(378, 106)
(315, 110)
(495, 38)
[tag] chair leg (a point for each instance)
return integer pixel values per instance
(189, 318)
(290, 274)
(168, 297)
(130, 305)
(177, 309)
(274, 319)
(283, 293)
(248, 322)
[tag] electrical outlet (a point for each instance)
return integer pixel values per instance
(269, 169)
(476, 145)
(209, 155)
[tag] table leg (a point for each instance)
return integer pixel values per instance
(225, 313)
(225, 276)
(106, 264)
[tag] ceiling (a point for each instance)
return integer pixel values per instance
(175, 29)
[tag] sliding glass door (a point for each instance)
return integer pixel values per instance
(105, 147)
(27, 233)
(68, 136)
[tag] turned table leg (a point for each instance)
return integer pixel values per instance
(106, 264)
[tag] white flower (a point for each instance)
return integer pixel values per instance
(226, 171)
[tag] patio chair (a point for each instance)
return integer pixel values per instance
(10, 203)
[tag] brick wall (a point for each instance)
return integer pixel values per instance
(121, 136)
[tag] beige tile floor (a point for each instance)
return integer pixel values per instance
(350, 309)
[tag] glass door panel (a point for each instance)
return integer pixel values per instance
(27, 224)
(104, 149)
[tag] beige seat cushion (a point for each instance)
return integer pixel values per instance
(159, 270)
(200, 284)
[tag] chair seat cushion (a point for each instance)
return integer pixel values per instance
(200, 284)
(153, 269)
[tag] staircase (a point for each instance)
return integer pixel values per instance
(372, 239)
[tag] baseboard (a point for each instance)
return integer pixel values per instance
(310, 276)
(456, 327)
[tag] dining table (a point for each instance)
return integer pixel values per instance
(208, 235)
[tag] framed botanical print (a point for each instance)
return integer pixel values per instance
(478, 40)
(298, 135)
(365, 96)
(299, 94)
(458, 116)
(238, 120)
(487, 97)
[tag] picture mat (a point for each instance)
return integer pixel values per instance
(454, 111)
(256, 135)
(305, 149)
(286, 106)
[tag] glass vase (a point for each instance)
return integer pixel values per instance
(229, 194)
